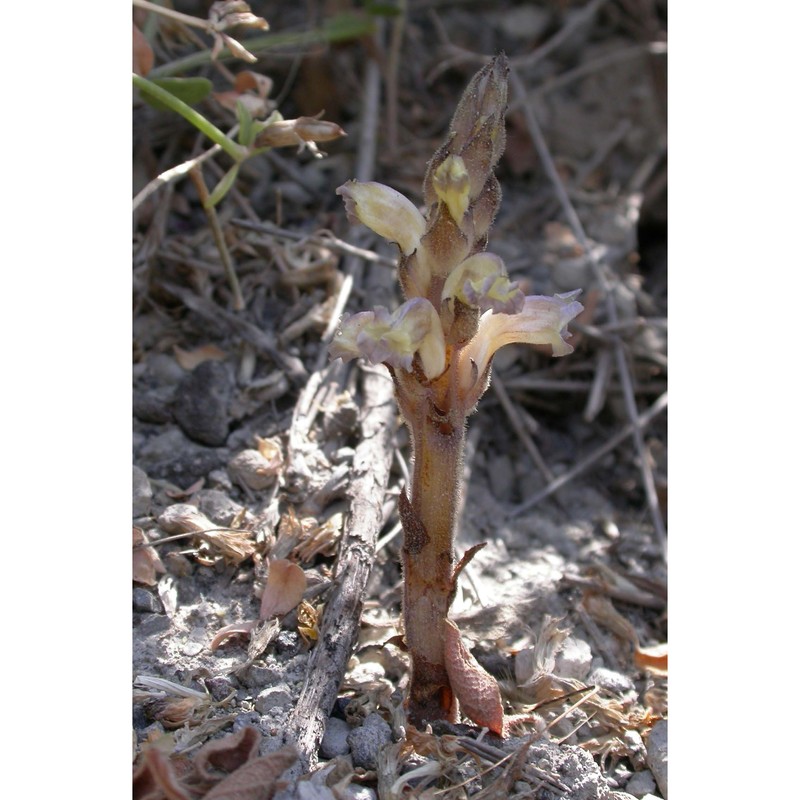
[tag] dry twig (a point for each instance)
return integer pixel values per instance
(601, 276)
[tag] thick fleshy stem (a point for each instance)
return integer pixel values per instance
(429, 520)
(436, 420)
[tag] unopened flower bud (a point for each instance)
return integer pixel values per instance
(303, 130)
(385, 211)
(451, 184)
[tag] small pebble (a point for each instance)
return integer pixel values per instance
(219, 686)
(278, 696)
(368, 740)
(334, 741)
(657, 754)
(640, 784)
(153, 624)
(287, 642)
(612, 681)
(193, 648)
(164, 369)
(173, 457)
(307, 791)
(574, 660)
(142, 493)
(244, 720)
(217, 506)
(146, 602)
(201, 403)
(637, 752)
(153, 406)
(260, 674)
(251, 470)
(353, 792)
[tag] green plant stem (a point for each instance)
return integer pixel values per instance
(195, 22)
(342, 28)
(235, 151)
(196, 174)
(428, 556)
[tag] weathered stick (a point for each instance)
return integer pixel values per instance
(338, 631)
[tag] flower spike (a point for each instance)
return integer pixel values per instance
(461, 307)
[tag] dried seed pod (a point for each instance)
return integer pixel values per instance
(251, 470)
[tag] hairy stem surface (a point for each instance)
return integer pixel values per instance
(429, 521)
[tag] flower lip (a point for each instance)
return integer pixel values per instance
(542, 320)
(482, 281)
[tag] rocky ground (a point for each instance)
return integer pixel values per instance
(250, 447)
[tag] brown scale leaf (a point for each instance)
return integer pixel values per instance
(227, 754)
(257, 779)
(146, 561)
(286, 583)
(477, 691)
(157, 778)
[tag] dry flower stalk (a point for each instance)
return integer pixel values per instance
(460, 307)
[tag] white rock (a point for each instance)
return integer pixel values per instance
(278, 696)
(574, 660)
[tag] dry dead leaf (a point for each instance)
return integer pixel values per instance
(157, 777)
(252, 90)
(286, 584)
(533, 662)
(653, 659)
(258, 107)
(319, 539)
(146, 561)
(271, 450)
(248, 80)
(177, 712)
(264, 631)
(234, 545)
(230, 630)
(602, 610)
(227, 754)
(257, 779)
(251, 470)
(226, 14)
(142, 53)
(189, 359)
(185, 494)
(477, 691)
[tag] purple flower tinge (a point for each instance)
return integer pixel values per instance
(394, 339)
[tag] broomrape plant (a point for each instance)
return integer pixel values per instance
(460, 308)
